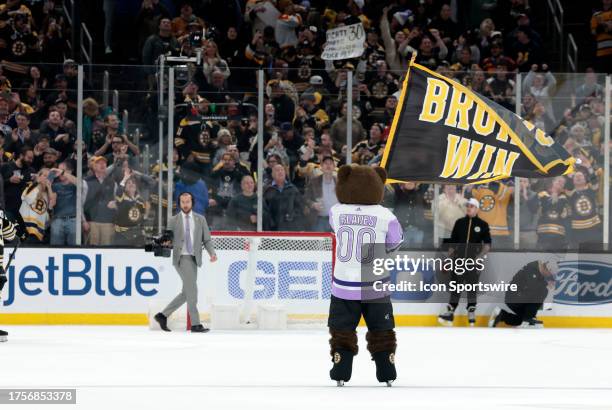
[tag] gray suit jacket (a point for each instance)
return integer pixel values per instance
(201, 237)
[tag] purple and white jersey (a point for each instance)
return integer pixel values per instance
(356, 226)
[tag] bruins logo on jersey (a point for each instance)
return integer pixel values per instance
(39, 206)
(19, 48)
(487, 203)
(134, 214)
(380, 90)
(583, 205)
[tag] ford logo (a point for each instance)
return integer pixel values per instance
(583, 283)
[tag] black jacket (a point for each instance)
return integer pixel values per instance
(468, 236)
(531, 285)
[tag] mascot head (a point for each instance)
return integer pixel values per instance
(360, 184)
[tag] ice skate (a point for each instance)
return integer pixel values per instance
(385, 367)
(3, 336)
(471, 316)
(495, 317)
(343, 367)
(531, 324)
(446, 318)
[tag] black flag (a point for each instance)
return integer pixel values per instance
(444, 132)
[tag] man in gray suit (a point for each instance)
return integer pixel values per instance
(191, 234)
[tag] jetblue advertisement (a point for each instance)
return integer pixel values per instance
(126, 281)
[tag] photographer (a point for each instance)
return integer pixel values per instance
(470, 239)
(191, 234)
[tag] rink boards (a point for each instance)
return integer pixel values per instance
(118, 286)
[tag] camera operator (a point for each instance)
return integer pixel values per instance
(191, 234)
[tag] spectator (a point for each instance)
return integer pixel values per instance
(430, 54)
(36, 201)
(542, 87)
(59, 138)
(189, 181)
(528, 219)
(287, 23)
(526, 51)
(589, 89)
(445, 25)
(212, 61)
(601, 29)
(147, 20)
(494, 199)
(339, 128)
(284, 203)
(183, 20)
(226, 179)
(130, 214)
(157, 44)
(63, 222)
(320, 196)
(93, 124)
(451, 206)
(585, 219)
(22, 135)
(397, 49)
(409, 209)
(120, 146)
(553, 210)
(112, 128)
(501, 87)
(101, 192)
(17, 174)
(242, 209)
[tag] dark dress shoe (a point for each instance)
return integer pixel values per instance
(199, 329)
(163, 321)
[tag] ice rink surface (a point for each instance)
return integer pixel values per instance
(438, 368)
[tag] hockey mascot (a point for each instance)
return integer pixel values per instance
(359, 221)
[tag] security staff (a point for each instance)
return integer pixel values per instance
(470, 239)
(533, 282)
(191, 234)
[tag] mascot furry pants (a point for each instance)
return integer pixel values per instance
(344, 316)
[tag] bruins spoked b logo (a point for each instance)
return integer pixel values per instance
(392, 358)
(337, 357)
(487, 203)
(134, 214)
(583, 205)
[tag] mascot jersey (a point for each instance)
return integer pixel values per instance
(355, 226)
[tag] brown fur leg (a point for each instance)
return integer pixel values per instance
(343, 340)
(381, 341)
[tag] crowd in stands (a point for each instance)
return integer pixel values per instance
(484, 46)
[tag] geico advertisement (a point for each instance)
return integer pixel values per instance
(125, 281)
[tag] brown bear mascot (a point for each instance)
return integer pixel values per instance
(361, 226)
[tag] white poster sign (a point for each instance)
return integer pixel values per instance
(344, 42)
